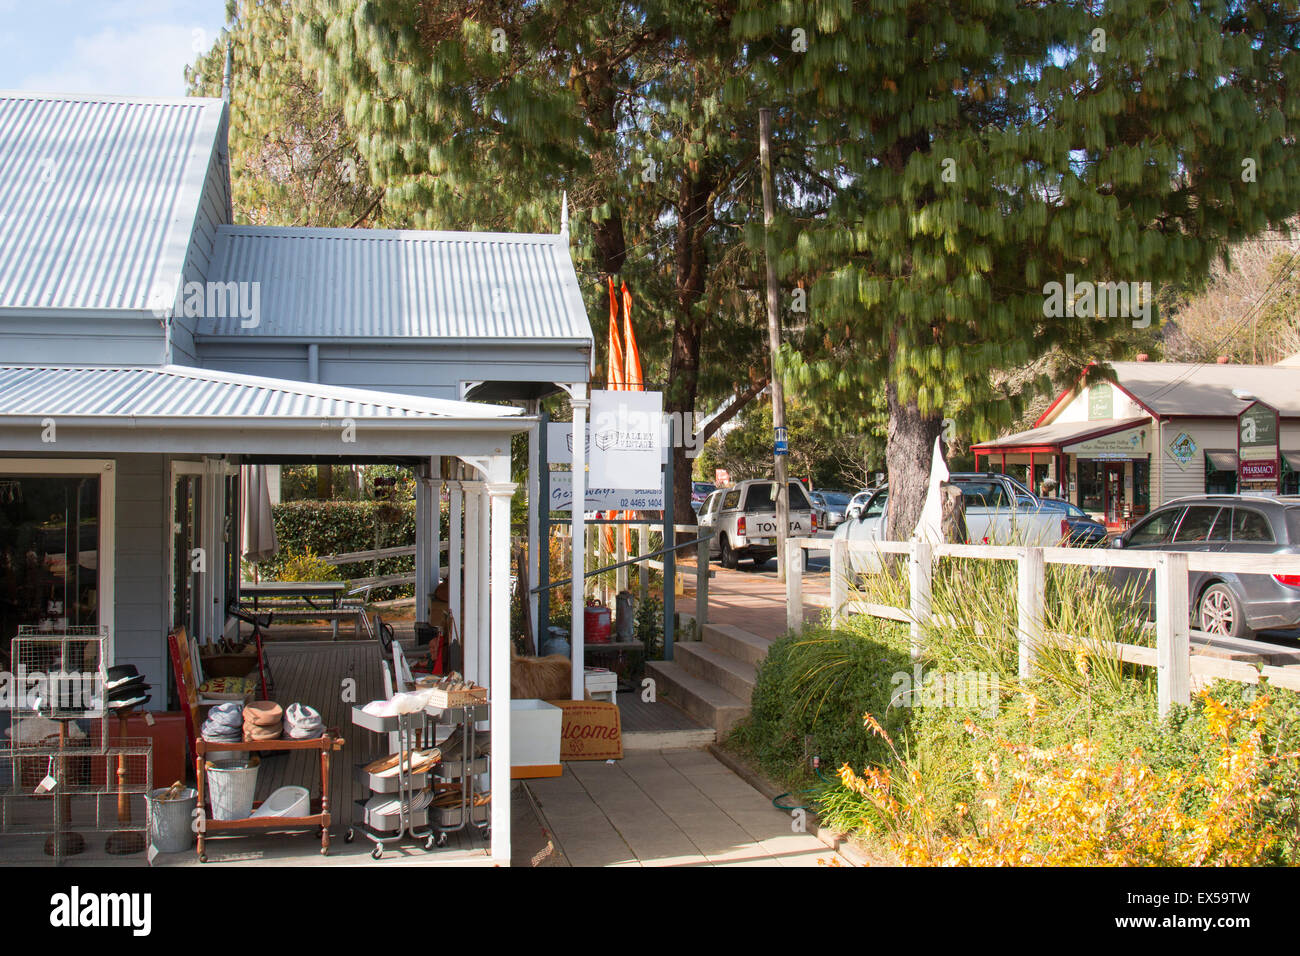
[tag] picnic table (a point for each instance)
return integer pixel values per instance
(307, 599)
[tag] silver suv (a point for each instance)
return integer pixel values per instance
(744, 520)
(1222, 603)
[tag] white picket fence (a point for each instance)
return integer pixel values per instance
(1172, 657)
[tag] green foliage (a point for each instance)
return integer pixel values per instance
(649, 627)
(305, 566)
(812, 691)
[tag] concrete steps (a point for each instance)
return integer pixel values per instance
(713, 679)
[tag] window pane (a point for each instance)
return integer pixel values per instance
(984, 494)
(1248, 525)
(877, 506)
(1196, 524)
(733, 499)
(49, 552)
(1155, 530)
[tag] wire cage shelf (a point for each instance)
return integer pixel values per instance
(58, 673)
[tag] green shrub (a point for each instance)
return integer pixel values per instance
(812, 691)
(306, 567)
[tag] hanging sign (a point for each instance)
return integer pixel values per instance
(626, 438)
(604, 499)
(1183, 449)
(1257, 444)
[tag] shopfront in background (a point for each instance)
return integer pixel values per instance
(1110, 475)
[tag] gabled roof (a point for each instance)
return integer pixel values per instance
(98, 197)
(375, 284)
(1183, 388)
(137, 394)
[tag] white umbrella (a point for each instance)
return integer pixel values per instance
(260, 541)
(930, 527)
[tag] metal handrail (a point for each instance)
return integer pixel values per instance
(611, 567)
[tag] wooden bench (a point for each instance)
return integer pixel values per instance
(301, 610)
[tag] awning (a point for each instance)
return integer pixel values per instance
(1053, 437)
(173, 408)
(1222, 460)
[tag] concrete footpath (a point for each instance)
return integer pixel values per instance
(669, 808)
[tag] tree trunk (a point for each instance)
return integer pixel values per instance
(324, 482)
(909, 447)
(684, 373)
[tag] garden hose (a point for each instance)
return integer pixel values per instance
(776, 801)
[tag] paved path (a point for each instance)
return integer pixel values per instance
(668, 808)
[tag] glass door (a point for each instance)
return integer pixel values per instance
(1114, 487)
(188, 562)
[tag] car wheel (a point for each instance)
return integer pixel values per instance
(1220, 612)
(729, 559)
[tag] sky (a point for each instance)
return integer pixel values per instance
(125, 47)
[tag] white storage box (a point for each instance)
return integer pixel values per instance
(534, 739)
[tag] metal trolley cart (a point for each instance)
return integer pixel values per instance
(459, 770)
(411, 790)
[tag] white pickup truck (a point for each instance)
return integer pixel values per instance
(743, 518)
(999, 510)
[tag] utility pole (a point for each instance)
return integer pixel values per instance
(779, 440)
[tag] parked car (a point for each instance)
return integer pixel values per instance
(858, 502)
(699, 491)
(1080, 529)
(831, 507)
(999, 510)
(1222, 602)
(744, 520)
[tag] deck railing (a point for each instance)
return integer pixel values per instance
(1172, 657)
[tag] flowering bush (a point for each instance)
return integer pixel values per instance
(1068, 806)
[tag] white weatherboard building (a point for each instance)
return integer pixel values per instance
(1160, 430)
(122, 394)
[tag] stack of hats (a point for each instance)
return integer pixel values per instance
(302, 723)
(225, 723)
(125, 687)
(263, 720)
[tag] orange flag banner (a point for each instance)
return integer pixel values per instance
(633, 379)
(615, 364)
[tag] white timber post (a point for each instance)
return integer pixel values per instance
(794, 584)
(535, 549)
(839, 577)
(920, 570)
(499, 494)
(1031, 586)
(421, 546)
(1173, 637)
(486, 584)
(456, 561)
(470, 631)
(578, 653)
(435, 528)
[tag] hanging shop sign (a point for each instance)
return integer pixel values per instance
(626, 438)
(1257, 444)
(1130, 443)
(1183, 449)
(604, 499)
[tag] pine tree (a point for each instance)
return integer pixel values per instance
(981, 149)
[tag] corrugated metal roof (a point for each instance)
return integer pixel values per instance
(1063, 433)
(1182, 388)
(98, 196)
(318, 284)
(174, 391)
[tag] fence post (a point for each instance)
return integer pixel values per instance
(1031, 584)
(701, 587)
(920, 570)
(839, 577)
(794, 584)
(1173, 638)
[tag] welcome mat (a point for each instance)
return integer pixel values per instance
(590, 730)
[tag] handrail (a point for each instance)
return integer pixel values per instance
(620, 564)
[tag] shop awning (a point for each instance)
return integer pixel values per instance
(1222, 460)
(1054, 437)
(173, 408)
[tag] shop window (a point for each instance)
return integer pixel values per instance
(1217, 481)
(49, 552)
(1141, 486)
(1290, 477)
(1090, 485)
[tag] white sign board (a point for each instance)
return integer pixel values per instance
(604, 499)
(626, 440)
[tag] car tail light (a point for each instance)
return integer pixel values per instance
(1290, 580)
(1065, 528)
(740, 526)
(814, 522)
